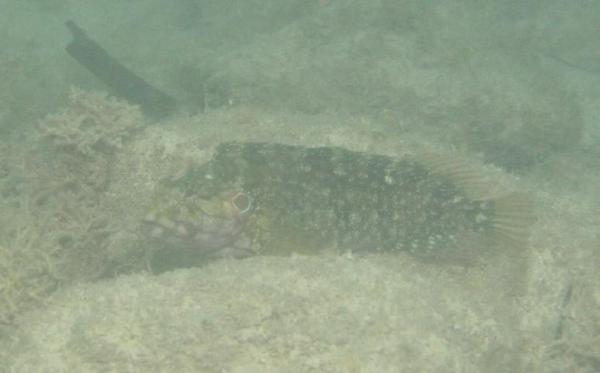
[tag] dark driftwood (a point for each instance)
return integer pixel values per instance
(120, 79)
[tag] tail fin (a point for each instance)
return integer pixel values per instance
(513, 218)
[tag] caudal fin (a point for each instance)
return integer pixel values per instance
(513, 217)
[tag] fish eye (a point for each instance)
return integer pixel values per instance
(242, 202)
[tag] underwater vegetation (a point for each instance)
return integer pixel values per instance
(29, 270)
(55, 227)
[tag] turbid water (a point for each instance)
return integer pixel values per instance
(102, 239)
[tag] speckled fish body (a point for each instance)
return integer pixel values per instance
(313, 198)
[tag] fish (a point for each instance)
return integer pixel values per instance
(314, 199)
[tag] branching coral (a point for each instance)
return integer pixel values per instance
(92, 124)
(81, 140)
(57, 229)
(29, 270)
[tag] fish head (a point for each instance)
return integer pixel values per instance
(207, 225)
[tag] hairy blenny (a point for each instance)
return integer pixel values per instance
(316, 198)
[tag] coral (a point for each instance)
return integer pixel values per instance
(47, 242)
(55, 226)
(29, 270)
(92, 124)
(80, 142)
(72, 173)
